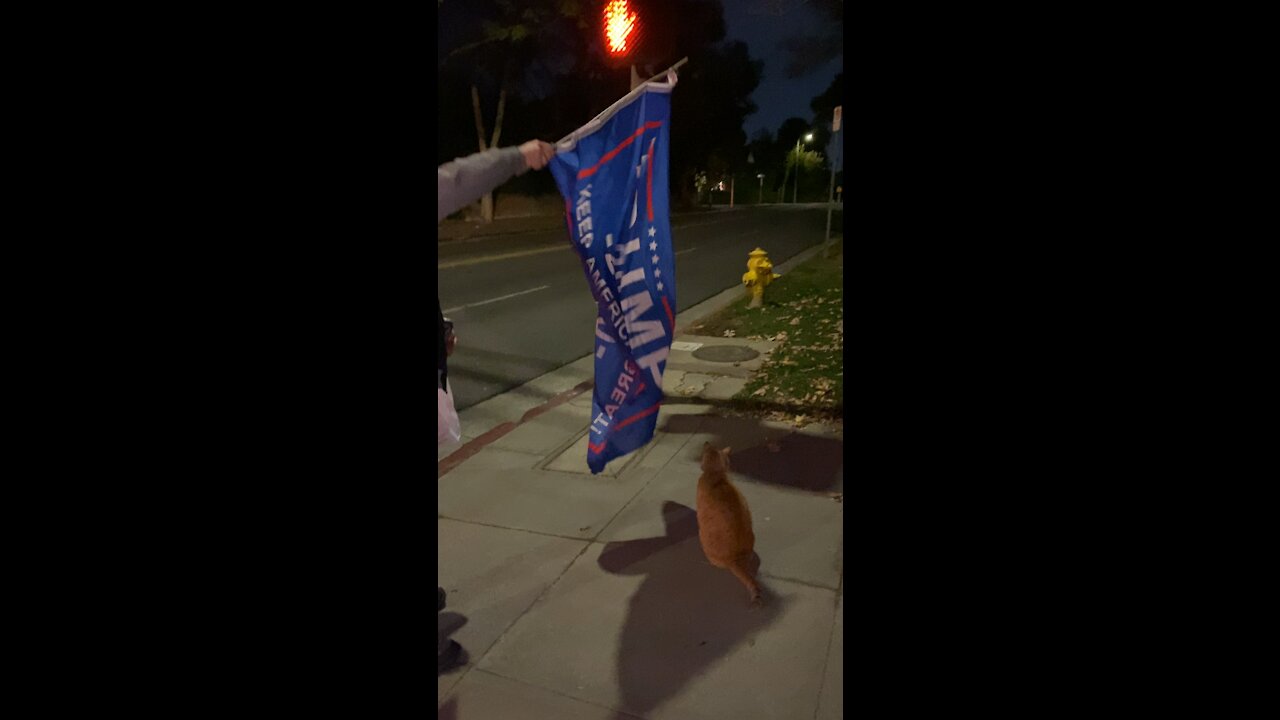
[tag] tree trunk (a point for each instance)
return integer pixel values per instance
(486, 202)
(475, 107)
(497, 123)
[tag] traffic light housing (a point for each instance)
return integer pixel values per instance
(635, 32)
(622, 29)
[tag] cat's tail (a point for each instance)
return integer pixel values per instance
(741, 570)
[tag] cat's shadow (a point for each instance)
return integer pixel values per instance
(686, 615)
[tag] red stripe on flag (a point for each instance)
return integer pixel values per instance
(568, 219)
(670, 316)
(637, 416)
(650, 181)
(597, 449)
(614, 152)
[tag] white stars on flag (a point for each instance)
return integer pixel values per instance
(653, 247)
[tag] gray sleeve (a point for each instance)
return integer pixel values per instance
(467, 179)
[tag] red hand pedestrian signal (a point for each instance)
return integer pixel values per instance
(621, 27)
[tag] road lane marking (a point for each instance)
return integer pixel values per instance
(494, 300)
(538, 251)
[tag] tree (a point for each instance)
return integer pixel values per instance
(708, 109)
(824, 105)
(770, 158)
(789, 132)
(542, 67)
(505, 53)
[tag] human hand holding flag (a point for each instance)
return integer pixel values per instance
(537, 153)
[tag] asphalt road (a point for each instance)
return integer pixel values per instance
(521, 305)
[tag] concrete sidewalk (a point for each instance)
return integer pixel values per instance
(577, 595)
(588, 597)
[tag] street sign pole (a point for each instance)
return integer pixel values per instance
(831, 189)
(831, 198)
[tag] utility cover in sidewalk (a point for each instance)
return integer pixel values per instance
(725, 353)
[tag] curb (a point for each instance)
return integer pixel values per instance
(716, 303)
(505, 233)
(475, 445)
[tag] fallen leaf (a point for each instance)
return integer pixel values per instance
(729, 333)
(760, 392)
(795, 321)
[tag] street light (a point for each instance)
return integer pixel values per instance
(796, 193)
(761, 176)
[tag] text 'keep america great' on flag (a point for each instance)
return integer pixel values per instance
(613, 175)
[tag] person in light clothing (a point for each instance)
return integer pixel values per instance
(460, 183)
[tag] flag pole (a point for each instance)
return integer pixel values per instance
(623, 100)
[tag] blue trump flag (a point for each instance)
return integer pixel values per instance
(613, 175)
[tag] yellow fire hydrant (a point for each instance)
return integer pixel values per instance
(758, 276)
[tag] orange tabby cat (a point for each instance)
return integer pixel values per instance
(724, 521)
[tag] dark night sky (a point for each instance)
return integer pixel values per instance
(778, 97)
(761, 24)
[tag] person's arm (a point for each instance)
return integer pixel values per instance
(467, 179)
